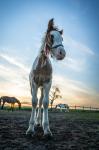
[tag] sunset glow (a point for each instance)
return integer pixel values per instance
(22, 25)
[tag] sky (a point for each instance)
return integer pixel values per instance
(22, 26)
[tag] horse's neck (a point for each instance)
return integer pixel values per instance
(41, 60)
(43, 46)
(17, 102)
(43, 42)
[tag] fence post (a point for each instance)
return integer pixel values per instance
(90, 108)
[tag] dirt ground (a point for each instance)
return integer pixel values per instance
(71, 131)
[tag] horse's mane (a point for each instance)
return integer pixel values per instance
(43, 42)
(51, 27)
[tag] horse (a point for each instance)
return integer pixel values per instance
(63, 106)
(41, 77)
(12, 100)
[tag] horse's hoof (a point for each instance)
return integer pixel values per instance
(30, 133)
(48, 136)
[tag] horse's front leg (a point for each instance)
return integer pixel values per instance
(45, 121)
(39, 118)
(33, 113)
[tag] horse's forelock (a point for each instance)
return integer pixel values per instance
(51, 26)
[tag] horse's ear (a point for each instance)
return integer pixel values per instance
(51, 24)
(61, 32)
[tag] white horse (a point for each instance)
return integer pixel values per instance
(41, 76)
(63, 106)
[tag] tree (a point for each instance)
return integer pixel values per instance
(55, 94)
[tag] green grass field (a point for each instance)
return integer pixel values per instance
(77, 114)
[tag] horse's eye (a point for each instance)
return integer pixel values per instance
(52, 38)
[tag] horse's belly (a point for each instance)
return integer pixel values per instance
(41, 79)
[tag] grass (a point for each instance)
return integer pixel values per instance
(73, 114)
(85, 115)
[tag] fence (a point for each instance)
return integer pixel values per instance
(71, 107)
(75, 107)
(84, 108)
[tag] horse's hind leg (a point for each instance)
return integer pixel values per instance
(34, 89)
(12, 106)
(39, 114)
(2, 105)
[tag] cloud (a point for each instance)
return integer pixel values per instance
(72, 44)
(15, 87)
(77, 65)
(13, 80)
(14, 61)
(78, 55)
(10, 73)
(75, 92)
(17, 84)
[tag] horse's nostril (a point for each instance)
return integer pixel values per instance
(60, 53)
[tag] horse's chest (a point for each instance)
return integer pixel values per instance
(42, 74)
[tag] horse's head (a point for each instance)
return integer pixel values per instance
(54, 41)
(19, 103)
